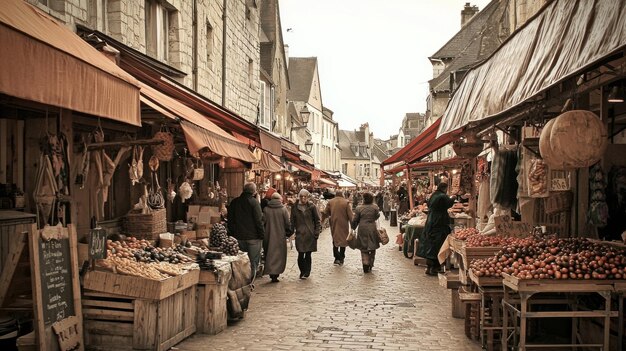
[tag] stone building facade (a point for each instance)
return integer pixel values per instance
(187, 35)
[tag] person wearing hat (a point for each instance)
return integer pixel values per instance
(267, 198)
(306, 224)
(277, 228)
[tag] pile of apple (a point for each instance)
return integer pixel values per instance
(552, 258)
(479, 240)
(464, 233)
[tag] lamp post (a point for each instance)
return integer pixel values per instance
(304, 115)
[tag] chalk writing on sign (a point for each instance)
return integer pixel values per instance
(559, 184)
(98, 243)
(507, 227)
(56, 279)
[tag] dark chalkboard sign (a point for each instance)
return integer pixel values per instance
(97, 243)
(56, 292)
(56, 280)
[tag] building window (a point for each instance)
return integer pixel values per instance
(210, 45)
(261, 102)
(367, 170)
(157, 30)
(344, 168)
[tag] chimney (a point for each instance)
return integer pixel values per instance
(468, 12)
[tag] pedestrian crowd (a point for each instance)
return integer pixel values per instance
(263, 227)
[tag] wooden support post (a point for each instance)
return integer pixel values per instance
(409, 184)
(13, 258)
(3, 150)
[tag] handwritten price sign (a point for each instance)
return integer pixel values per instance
(559, 184)
(507, 227)
(98, 243)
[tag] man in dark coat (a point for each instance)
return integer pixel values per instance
(306, 224)
(245, 223)
(436, 229)
(403, 199)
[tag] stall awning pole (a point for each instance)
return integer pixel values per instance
(410, 185)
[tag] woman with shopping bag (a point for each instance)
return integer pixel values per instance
(364, 221)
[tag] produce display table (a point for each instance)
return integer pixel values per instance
(491, 293)
(519, 295)
(212, 315)
(122, 312)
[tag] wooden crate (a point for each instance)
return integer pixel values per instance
(456, 245)
(557, 285)
(484, 281)
(472, 253)
(129, 286)
(212, 316)
(114, 322)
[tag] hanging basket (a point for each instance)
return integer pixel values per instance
(467, 149)
(164, 151)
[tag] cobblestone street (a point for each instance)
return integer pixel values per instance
(396, 307)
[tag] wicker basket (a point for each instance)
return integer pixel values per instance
(558, 201)
(146, 226)
(164, 151)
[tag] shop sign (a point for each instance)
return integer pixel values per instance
(505, 226)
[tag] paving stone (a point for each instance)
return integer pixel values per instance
(396, 307)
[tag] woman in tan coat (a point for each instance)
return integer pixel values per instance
(339, 211)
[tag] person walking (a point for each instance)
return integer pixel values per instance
(379, 200)
(436, 229)
(305, 222)
(386, 205)
(245, 223)
(277, 229)
(339, 211)
(267, 197)
(364, 221)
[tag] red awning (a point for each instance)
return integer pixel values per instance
(427, 136)
(44, 61)
(315, 173)
(422, 145)
(451, 162)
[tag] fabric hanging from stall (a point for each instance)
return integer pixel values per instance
(616, 200)
(503, 185)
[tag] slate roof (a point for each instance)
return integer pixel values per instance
(480, 37)
(473, 27)
(380, 150)
(271, 34)
(301, 71)
(348, 138)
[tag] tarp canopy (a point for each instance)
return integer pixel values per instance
(564, 38)
(315, 173)
(270, 142)
(44, 61)
(451, 162)
(328, 181)
(345, 184)
(199, 131)
(267, 162)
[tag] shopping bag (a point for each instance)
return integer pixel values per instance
(399, 239)
(382, 236)
(353, 240)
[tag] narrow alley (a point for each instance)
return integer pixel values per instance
(396, 307)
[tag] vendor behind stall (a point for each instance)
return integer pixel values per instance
(436, 229)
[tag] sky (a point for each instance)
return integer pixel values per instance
(372, 54)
